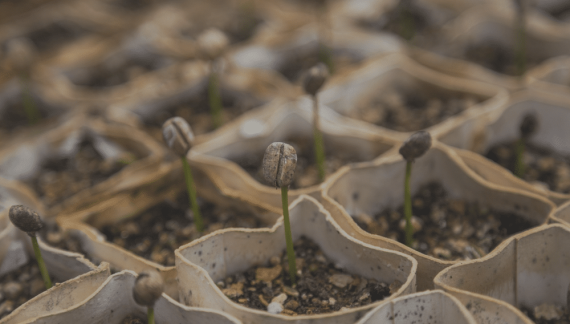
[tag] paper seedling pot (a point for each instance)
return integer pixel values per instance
(205, 261)
(280, 119)
(240, 84)
(561, 214)
(167, 183)
(526, 270)
(113, 300)
(23, 161)
(425, 307)
(552, 112)
(487, 23)
(59, 298)
(552, 76)
(277, 46)
(344, 92)
(372, 187)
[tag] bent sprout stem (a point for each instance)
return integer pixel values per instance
(214, 98)
(318, 139)
(41, 264)
(288, 236)
(192, 195)
(408, 205)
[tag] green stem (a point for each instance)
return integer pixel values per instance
(521, 43)
(214, 98)
(150, 315)
(41, 264)
(288, 237)
(408, 206)
(192, 195)
(519, 163)
(32, 113)
(318, 139)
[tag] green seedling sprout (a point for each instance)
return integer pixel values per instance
(414, 147)
(148, 288)
(278, 168)
(179, 137)
(406, 21)
(314, 80)
(528, 127)
(212, 43)
(520, 30)
(30, 222)
(21, 53)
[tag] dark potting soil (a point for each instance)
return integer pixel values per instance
(446, 228)
(155, 233)
(133, 319)
(402, 21)
(196, 110)
(496, 57)
(547, 314)
(56, 34)
(306, 172)
(543, 167)
(19, 286)
(321, 287)
(61, 177)
(55, 237)
(414, 109)
(14, 115)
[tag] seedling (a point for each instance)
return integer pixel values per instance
(148, 288)
(278, 167)
(414, 147)
(528, 127)
(21, 52)
(520, 29)
(178, 137)
(213, 43)
(313, 81)
(30, 222)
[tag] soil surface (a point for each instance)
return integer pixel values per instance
(19, 286)
(56, 34)
(155, 233)
(306, 172)
(196, 110)
(547, 314)
(61, 176)
(321, 287)
(133, 319)
(497, 57)
(446, 228)
(543, 167)
(55, 237)
(416, 108)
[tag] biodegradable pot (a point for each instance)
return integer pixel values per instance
(426, 307)
(23, 161)
(166, 184)
(251, 87)
(484, 24)
(345, 92)
(284, 49)
(202, 263)
(372, 187)
(112, 300)
(561, 214)
(504, 127)
(252, 133)
(526, 270)
(552, 76)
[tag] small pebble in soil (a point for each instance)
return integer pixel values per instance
(306, 173)
(62, 176)
(321, 286)
(446, 228)
(155, 233)
(544, 168)
(19, 286)
(547, 314)
(417, 108)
